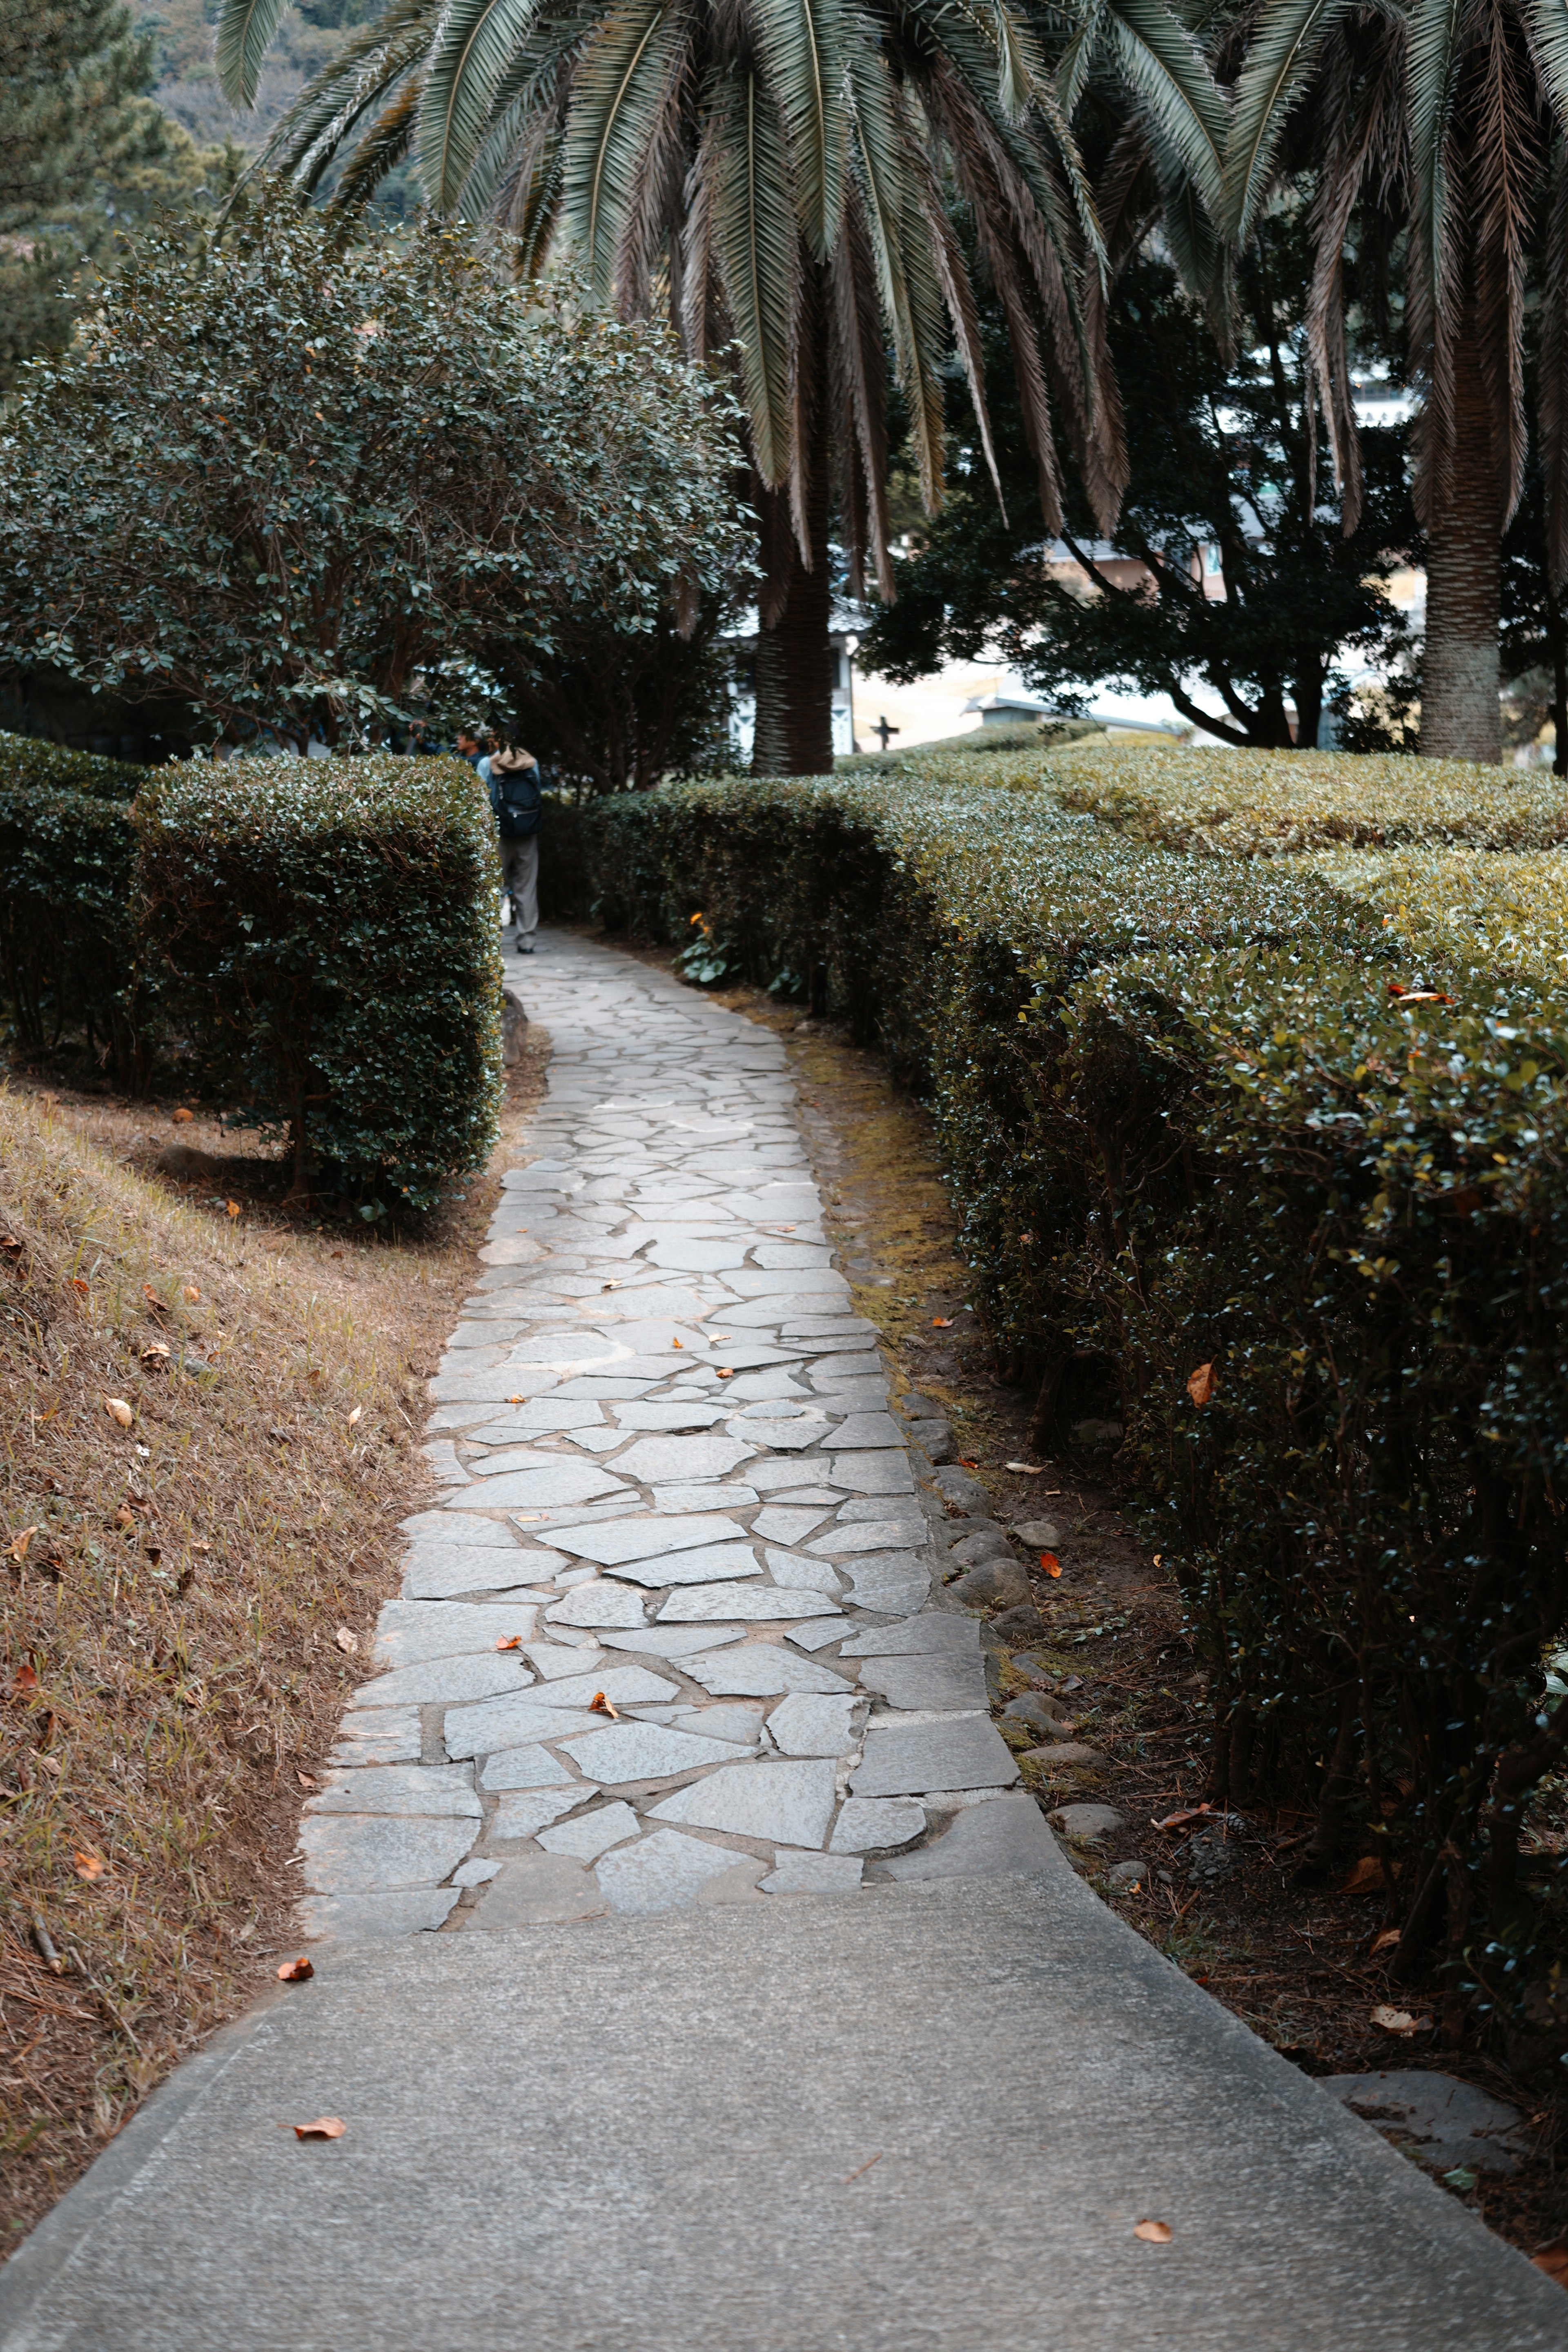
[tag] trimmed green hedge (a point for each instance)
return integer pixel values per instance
(66, 917)
(1226, 1111)
(327, 931)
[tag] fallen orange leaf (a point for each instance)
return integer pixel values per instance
(677, 1343)
(25, 1679)
(304, 1779)
(1389, 1938)
(726, 1371)
(297, 1972)
(1178, 1821)
(509, 1641)
(77, 1283)
(600, 1705)
(183, 1117)
(941, 1322)
(233, 1208)
(19, 1542)
(1202, 1384)
(1050, 1563)
(119, 1411)
(1153, 2233)
(124, 1517)
(190, 1292)
(1368, 1877)
(324, 2127)
(1553, 2261)
(88, 1866)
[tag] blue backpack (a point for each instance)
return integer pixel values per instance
(517, 800)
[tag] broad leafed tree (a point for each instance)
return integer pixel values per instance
(779, 176)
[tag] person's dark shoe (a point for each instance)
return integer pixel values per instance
(525, 947)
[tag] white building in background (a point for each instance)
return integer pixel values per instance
(844, 636)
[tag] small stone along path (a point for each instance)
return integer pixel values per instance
(675, 1490)
(807, 2038)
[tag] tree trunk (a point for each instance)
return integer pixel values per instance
(1460, 678)
(1557, 638)
(794, 659)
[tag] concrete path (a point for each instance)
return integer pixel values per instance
(666, 1674)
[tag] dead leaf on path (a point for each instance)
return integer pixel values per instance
(20, 1541)
(232, 1207)
(119, 1411)
(88, 1866)
(600, 1705)
(517, 1400)
(24, 1680)
(1383, 1943)
(1025, 1469)
(726, 1371)
(611, 1286)
(941, 1322)
(182, 1117)
(1153, 2233)
(347, 1643)
(1399, 2021)
(12, 1249)
(324, 2127)
(1368, 1877)
(677, 1343)
(1179, 1819)
(1050, 1563)
(355, 1416)
(77, 1283)
(298, 1971)
(965, 1464)
(1553, 2261)
(190, 1292)
(124, 1517)
(306, 1780)
(1202, 1384)
(156, 1356)
(509, 1641)
(153, 1301)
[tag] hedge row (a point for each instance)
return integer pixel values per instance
(320, 939)
(1217, 1112)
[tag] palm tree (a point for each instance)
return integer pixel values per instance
(1440, 122)
(777, 177)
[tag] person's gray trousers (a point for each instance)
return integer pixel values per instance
(519, 874)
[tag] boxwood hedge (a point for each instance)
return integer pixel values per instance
(327, 931)
(1268, 1161)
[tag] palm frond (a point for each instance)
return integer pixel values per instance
(621, 93)
(468, 57)
(381, 151)
(804, 45)
(1288, 39)
(1431, 71)
(757, 245)
(1505, 170)
(244, 31)
(1163, 63)
(860, 372)
(1551, 368)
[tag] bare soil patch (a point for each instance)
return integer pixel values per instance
(212, 1401)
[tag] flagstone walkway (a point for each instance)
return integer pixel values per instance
(666, 1641)
(805, 2038)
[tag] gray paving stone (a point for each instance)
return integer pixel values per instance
(477, 1872)
(744, 1725)
(441, 1682)
(375, 1918)
(941, 1678)
(518, 1722)
(555, 1482)
(624, 1686)
(762, 1670)
(664, 1872)
(591, 1834)
(815, 1637)
(889, 1582)
(672, 1414)
(538, 1890)
(1086, 1824)
(617, 1540)
(843, 1540)
(543, 1416)
(525, 1812)
(525, 1768)
(872, 1824)
(803, 1724)
(597, 1604)
(685, 1497)
(967, 1752)
(388, 1734)
(652, 1459)
(708, 1564)
(628, 1753)
(813, 1873)
(769, 1473)
(757, 1605)
(864, 1430)
(934, 1629)
(785, 1803)
(984, 1841)
(553, 1661)
(440, 1571)
(363, 1853)
(673, 1640)
(780, 1525)
(873, 1473)
(409, 1632)
(802, 1574)
(399, 1789)
(794, 1436)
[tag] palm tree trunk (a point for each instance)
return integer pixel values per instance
(794, 658)
(1459, 676)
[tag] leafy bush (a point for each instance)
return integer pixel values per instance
(1249, 1115)
(66, 920)
(327, 931)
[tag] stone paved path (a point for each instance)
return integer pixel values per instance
(675, 1491)
(808, 2039)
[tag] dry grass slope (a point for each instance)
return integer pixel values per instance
(171, 1594)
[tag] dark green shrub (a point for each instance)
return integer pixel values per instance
(327, 931)
(66, 920)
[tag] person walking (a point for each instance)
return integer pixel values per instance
(516, 780)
